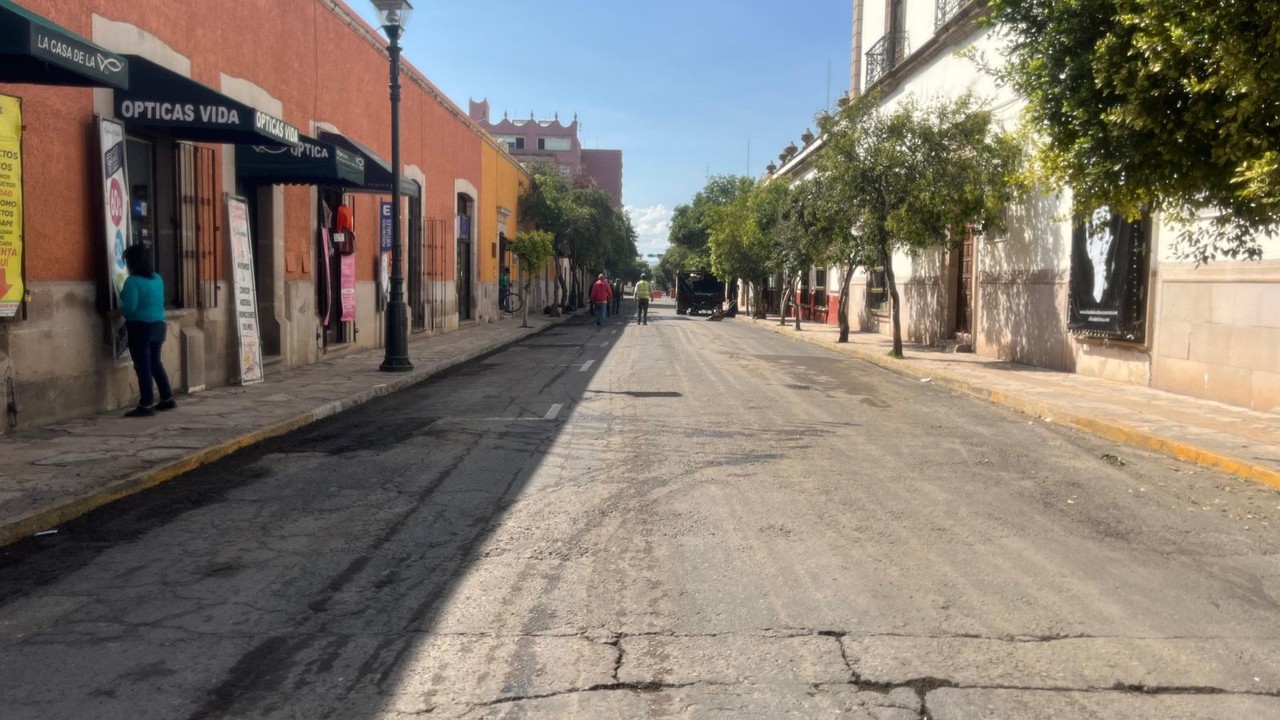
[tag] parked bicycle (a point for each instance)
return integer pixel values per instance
(511, 303)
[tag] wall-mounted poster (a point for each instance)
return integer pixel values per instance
(243, 291)
(11, 284)
(384, 256)
(1109, 277)
(347, 291)
(115, 197)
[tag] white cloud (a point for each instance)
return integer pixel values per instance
(652, 224)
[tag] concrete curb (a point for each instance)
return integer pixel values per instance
(1060, 414)
(74, 506)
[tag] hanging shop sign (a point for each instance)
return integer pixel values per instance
(159, 97)
(1109, 277)
(243, 291)
(347, 291)
(378, 177)
(384, 257)
(312, 162)
(384, 235)
(11, 254)
(33, 49)
(115, 204)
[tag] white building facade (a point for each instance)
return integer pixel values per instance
(1138, 314)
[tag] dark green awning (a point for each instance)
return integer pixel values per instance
(185, 109)
(35, 50)
(311, 163)
(377, 172)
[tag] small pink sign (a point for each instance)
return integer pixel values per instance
(348, 288)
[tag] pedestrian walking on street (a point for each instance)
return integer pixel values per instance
(600, 295)
(617, 296)
(643, 293)
(142, 305)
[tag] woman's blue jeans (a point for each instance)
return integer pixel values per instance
(145, 341)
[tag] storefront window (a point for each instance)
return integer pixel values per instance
(149, 177)
(141, 169)
(172, 195)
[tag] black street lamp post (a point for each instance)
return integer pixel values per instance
(394, 14)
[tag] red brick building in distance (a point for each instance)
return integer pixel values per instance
(553, 142)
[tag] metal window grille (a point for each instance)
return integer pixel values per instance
(884, 55)
(431, 306)
(947, 9)
(197, 226)
(877, 288)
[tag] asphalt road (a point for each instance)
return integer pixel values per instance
(686, 519)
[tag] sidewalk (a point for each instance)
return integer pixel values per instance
(1225, 437)
(58, 472)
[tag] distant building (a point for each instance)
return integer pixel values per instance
(553, 142)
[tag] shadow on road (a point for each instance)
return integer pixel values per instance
(302, 576)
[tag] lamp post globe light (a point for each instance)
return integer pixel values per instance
(393, 15)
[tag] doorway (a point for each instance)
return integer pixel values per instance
(417, 265)
(466, 212)
(335, 208)
(964, 288)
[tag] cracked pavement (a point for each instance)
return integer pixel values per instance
(719, 524)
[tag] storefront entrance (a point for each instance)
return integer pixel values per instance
(335, 222)
(466, 208)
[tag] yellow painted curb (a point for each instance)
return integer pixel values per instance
(73, 507)
(1060, 415)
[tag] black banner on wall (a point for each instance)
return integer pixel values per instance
(1109, 277)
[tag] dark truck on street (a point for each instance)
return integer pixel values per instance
(698, 290)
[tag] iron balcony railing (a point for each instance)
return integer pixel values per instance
(884, 55)
(946, 10)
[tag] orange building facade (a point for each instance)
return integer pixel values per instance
(281, 106)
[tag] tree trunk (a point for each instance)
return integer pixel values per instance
(562, 291)
(784, 303)
(761, 311)
(843, 312)
(527, 282)
(893, 298)
(799, 307)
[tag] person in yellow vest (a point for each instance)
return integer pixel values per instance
(643, 293)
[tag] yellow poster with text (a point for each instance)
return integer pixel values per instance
(11, 287)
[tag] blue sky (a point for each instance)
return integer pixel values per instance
(680, 86)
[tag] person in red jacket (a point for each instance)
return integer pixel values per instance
(600, 295)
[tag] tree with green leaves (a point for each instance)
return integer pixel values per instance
(1155, 105)
(532, 248)
(689, 240)
(691, 222)
(828, 239)
(791, 251)
(678, 259)
(916, 176)
(586, 227)
(545, 205)
(739, 232)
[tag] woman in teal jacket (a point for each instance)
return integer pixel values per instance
(142, 304)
